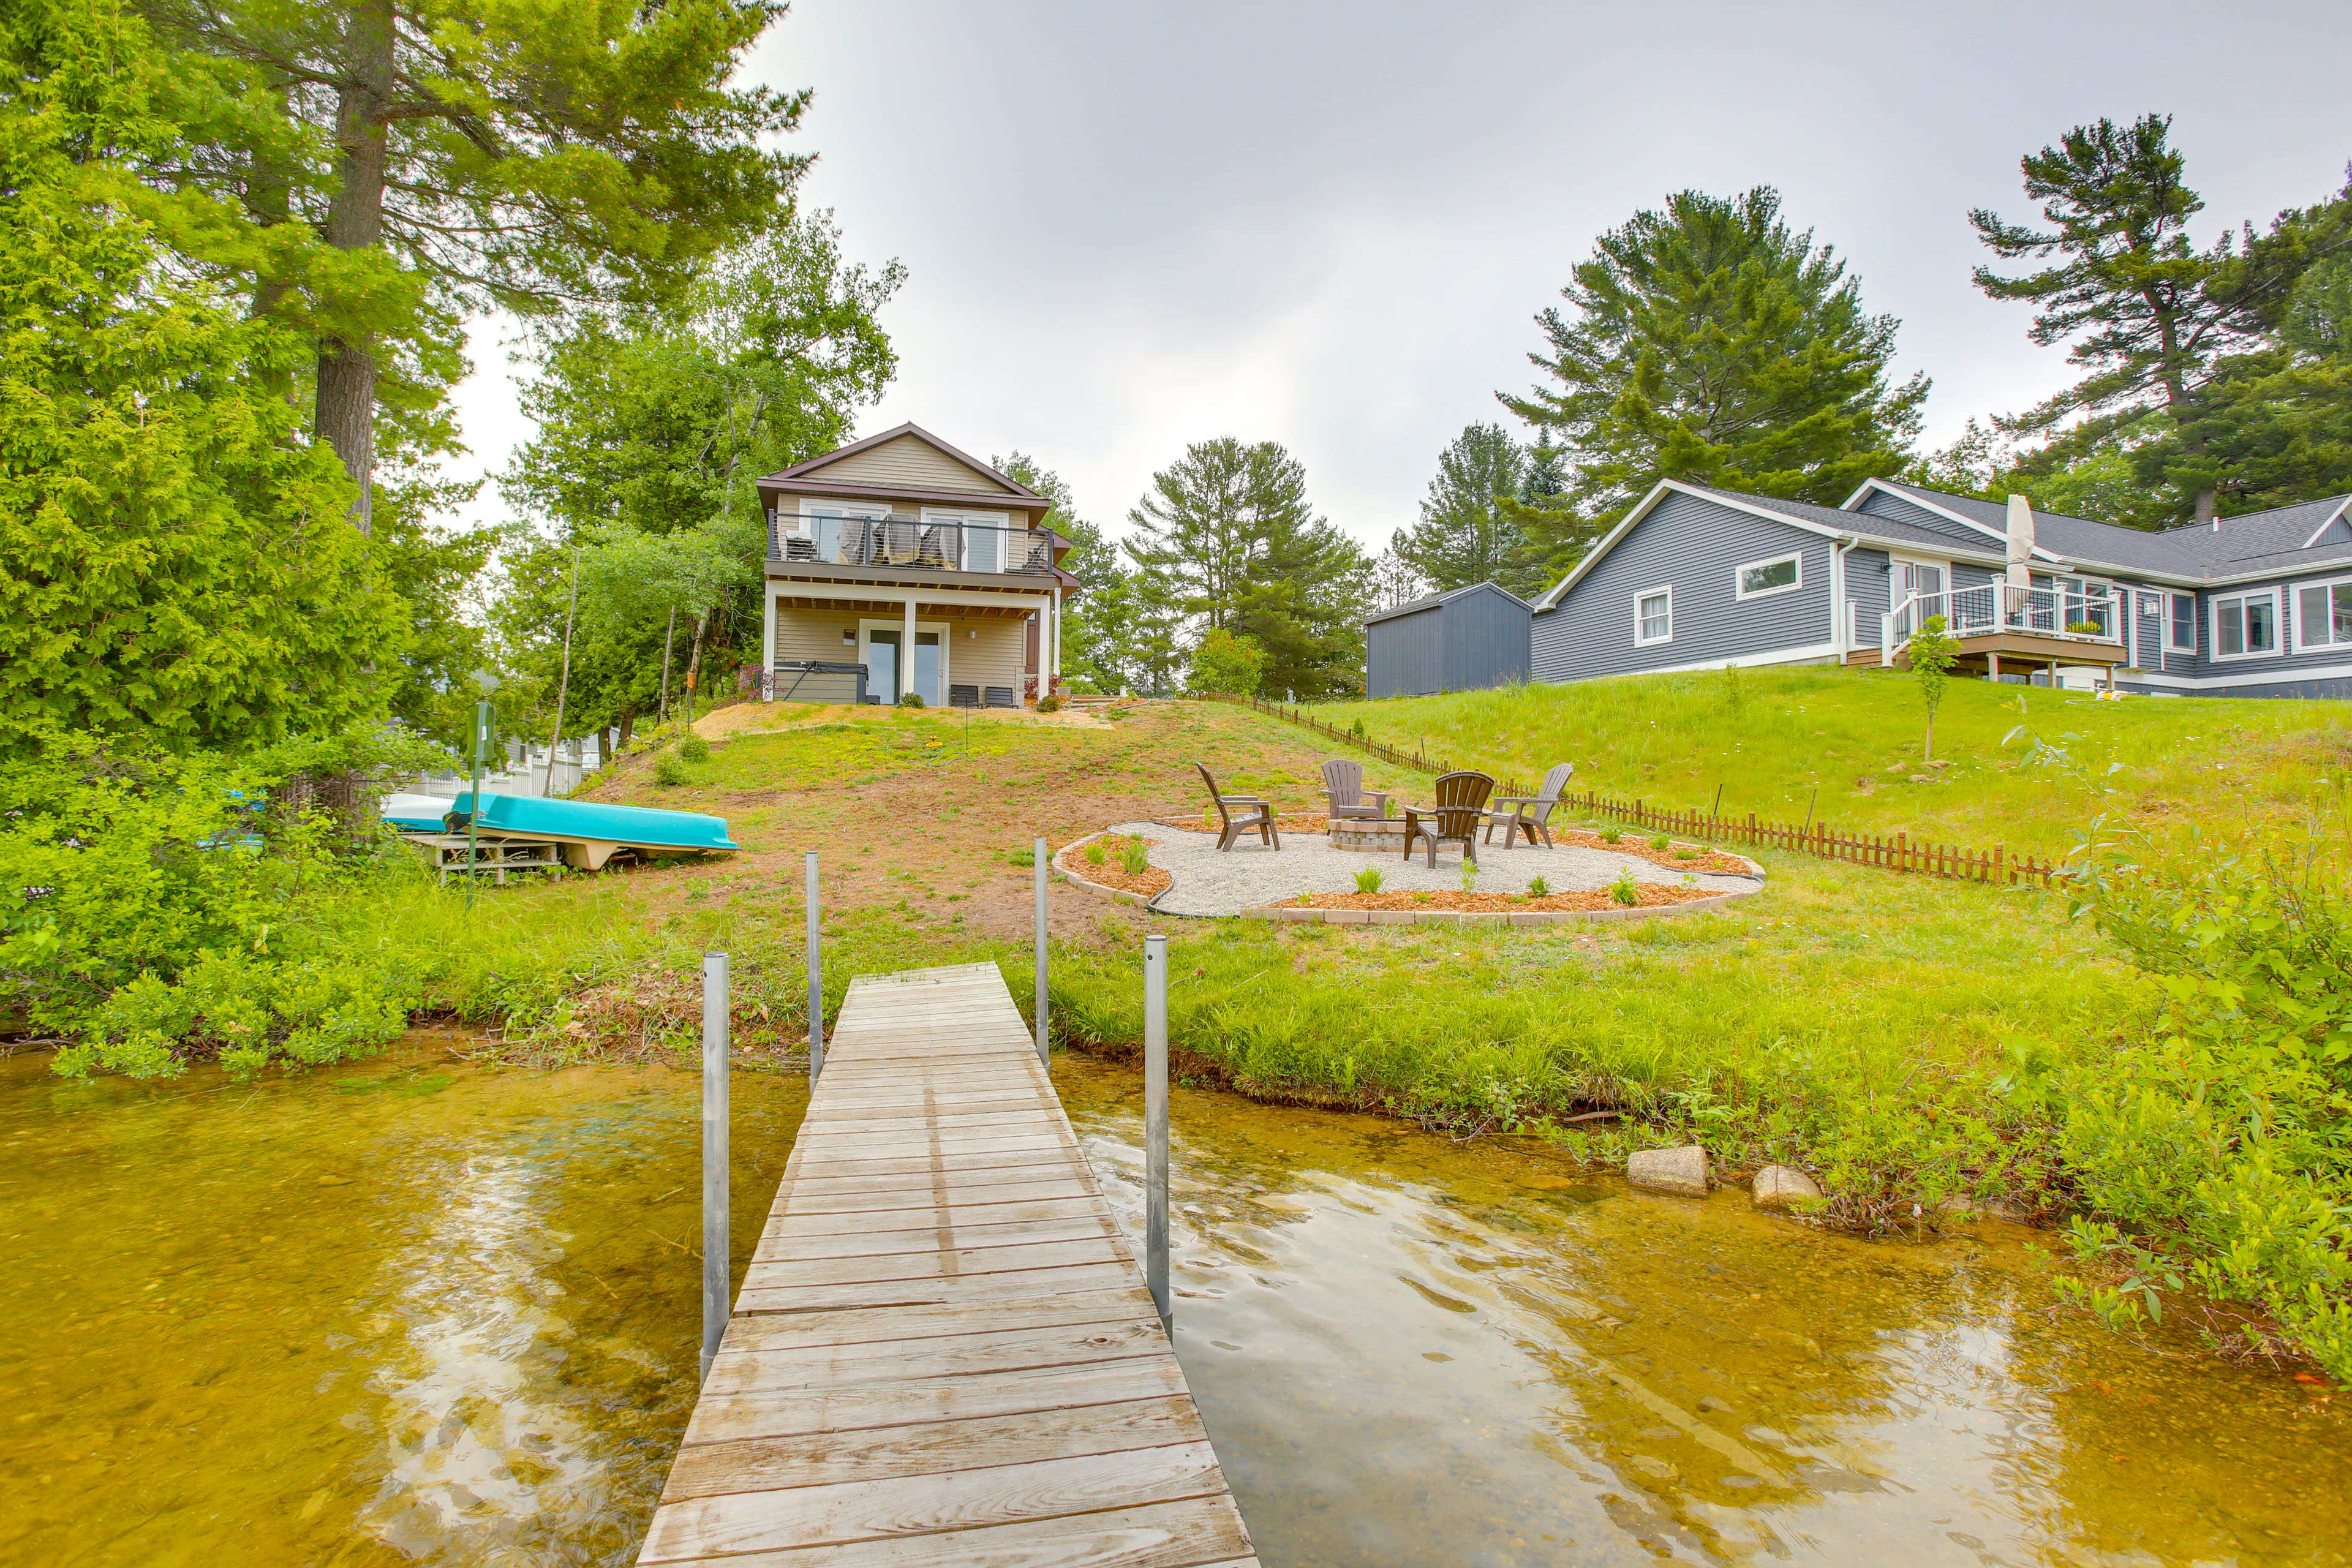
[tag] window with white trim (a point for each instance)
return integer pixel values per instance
(1653, 616)
(2182, 634)
(1778, 576)
(2246, 625)
(2323, 614)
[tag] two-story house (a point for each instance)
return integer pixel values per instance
(898, 564)
(1694, 577)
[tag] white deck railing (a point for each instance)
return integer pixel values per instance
(2087, 614)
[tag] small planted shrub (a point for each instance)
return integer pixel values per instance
(1659, 841)
(1420, 897)
(1469, 874)
(911, 699)
(1358, 731)
(1538, 888)
(694, 748)
(669, 770)
(1049, 705)
(1684, 852)
(1095, 855)
(1625, 891)
(1368, 880)
(1610, 835)
(1133, 861)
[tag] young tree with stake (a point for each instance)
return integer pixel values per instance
(1934, 651)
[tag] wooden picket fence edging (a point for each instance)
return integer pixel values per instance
(1896, 853)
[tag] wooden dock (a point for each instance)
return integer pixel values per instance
(943, 1350)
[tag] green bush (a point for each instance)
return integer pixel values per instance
(1095, 855)
(694, 748)
(1611, 834)
(158, 909)
(1227, 663)
(1049, 704)
(1659, 841)
(669, 770)
(1625, 891)
(1538, 888)
(911, 699)
(1368, 880)
(2215, 1153)
(1134, 860)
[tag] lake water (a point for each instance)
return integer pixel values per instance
(421, 1311)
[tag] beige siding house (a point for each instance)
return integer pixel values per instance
(898, 564)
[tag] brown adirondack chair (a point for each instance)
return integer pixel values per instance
(1343, 789)
(1229, 826)
(1529, 814)
(1461, 806)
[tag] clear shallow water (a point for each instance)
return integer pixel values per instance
(421, 1311)
(1413, 1353)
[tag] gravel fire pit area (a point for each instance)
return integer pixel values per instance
(1253, 878)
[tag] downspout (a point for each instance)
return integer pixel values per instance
(1841, 621)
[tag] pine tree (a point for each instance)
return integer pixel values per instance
(1706, 341)
(173, 563)
(2129, 288)
(1226, 540)
(376, 169)
(1464, 536)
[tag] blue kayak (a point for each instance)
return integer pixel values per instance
(590, 832)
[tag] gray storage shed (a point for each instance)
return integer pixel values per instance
(1463, 640)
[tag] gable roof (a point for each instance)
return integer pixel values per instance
(2250, 544)
(1430, 601)
(812, 475)
(1825, 522)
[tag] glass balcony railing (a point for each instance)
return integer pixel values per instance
(910, 543)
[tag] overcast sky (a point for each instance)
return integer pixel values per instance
(1129, 228)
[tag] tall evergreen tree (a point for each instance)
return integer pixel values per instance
(1707, 341)
(173, 565)
(1097, 625)
(1226, 540)
(378, 168)
(2128, 287)
(1464, 536)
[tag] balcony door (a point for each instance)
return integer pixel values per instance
(1909, 580)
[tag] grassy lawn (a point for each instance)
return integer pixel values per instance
(1847, 742)
(1888, 1030)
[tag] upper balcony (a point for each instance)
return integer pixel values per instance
(907, 543)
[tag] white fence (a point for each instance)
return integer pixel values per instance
(2083, 615)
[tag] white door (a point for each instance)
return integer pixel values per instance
(1923, 580)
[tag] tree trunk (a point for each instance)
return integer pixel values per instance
(694, 662)
(563, 689)
(628, 724)
(345, 418)
(661, 714)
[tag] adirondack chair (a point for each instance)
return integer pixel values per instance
(1529, 814)
(1229, 826)
(1461, 806)
(1343, 787)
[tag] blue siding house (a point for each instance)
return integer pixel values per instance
(1696, 577)
(1465, 640)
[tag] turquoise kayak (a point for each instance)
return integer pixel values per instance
(590, 832)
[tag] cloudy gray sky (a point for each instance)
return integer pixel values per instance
(1132, 227)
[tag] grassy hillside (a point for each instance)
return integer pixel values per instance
(1847, 742)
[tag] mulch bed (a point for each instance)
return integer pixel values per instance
(1152, 879)
(1305, 822)
(1655, 895)
(1699, 859)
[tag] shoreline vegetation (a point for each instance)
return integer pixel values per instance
(2153, 1059)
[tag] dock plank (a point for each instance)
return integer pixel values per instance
(942, 1352)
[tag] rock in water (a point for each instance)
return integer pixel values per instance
(1682, 1171)
(1776, 1185)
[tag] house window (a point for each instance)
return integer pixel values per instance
(1653, 616)
(2323, 614)
(1778, 576)
(2184, 622)
(2246, 625)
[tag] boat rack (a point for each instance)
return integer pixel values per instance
(494, 857)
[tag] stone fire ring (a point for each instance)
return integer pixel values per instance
(1249, 880)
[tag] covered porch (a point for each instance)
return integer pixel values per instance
(865, 644)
